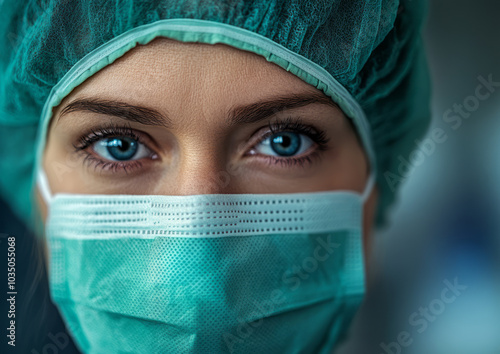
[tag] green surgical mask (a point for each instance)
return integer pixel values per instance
(273, 273)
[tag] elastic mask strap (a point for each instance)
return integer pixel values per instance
(368, 188)
(43, 186)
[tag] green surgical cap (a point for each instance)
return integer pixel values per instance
(364, 54)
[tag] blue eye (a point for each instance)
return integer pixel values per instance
(285, 144)
(121, 149)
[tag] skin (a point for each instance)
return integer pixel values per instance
(196, 85)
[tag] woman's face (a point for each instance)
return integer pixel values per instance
(172, 118)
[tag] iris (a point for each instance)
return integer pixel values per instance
(286, 144)
(122, 148)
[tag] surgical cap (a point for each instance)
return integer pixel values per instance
(371, 48)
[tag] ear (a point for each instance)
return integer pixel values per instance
(40, 215)
(369, 212)
(42, 206)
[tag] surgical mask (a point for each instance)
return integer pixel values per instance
(276, 273)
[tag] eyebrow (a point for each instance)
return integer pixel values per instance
(258, 111)
(138, 114)
(245, 114)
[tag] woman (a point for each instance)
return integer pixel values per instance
(208, 174)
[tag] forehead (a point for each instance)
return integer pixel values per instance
(168, 71)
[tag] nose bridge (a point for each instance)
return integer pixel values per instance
(201, 150)
(200, 170)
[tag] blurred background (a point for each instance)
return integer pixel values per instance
(434, 283)
(445, 229)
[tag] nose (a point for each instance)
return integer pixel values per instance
(201, 181)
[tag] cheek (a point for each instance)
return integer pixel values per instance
(60, 166)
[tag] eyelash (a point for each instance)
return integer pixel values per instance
(93, 136)
(290, 124)
(295, 125)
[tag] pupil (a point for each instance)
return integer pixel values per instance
(122, 148)
(286, 144)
